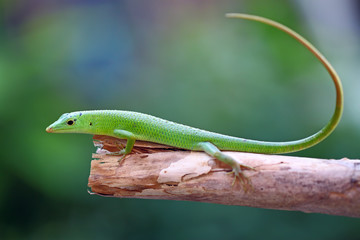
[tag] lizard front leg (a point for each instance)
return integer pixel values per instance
(130, 137)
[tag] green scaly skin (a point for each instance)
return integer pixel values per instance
(138, 126)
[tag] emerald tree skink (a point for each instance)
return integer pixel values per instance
(138, 126)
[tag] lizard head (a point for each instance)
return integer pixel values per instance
(75, 122)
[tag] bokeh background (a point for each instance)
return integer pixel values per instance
(182, 61)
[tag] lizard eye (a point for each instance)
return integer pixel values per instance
(70, 122)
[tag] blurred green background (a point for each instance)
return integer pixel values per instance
(179, 60)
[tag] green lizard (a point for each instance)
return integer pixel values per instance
(134, 126)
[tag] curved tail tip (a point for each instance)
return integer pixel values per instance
(236, 15)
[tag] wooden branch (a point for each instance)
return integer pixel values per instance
(279, 182)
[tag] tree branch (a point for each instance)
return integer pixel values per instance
(155, 171)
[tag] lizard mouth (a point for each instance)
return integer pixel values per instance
(49, 129)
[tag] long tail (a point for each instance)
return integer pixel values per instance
(293, 146)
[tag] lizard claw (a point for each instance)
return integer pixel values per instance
(238, 174)
(121, 158)
(119, 153)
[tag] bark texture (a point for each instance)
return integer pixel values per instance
(155, 171)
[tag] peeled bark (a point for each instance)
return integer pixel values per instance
(155, 171)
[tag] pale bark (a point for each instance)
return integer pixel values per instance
(278, 182)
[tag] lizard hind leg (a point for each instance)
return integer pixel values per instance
(213, 151)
